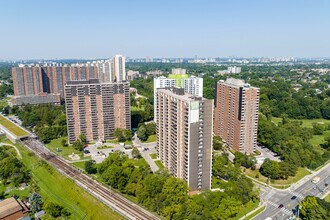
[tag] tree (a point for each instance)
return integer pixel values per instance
(53, 209)
(64, 143)
(78, 145)
(142, 133)
(35, 202)
(89, 167)
(82, 138)
(118, 134)
(270, 169)
(217, 143)
(314, 208)
(136, 153)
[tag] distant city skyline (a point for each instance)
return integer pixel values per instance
(84, 29)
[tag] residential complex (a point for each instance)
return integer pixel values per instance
(236, 114)
(95, 109)
(192, 85)
(36, 84)
(184, 136)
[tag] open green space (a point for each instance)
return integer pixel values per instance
(63, 151)
(136, 108)
(104, 147)
(117, 142)
(151, 138)
(301, 173)
(215, 183)
(140, 162)
(63, 191)
(246, 209)
(13, 128)
(327, 198)
(259, 210)
(80, 165)
(153, 156)
(159, 164)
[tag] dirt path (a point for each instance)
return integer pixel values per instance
(17, 151)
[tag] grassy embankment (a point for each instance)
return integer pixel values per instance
(63, 191)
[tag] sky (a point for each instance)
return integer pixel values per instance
(36, 29)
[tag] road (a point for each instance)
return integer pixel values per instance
(292, 196)
(146, 149)
(114, 200)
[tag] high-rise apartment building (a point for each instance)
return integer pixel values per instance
(119, 68)
(35, 84)
(184, 136)
(95, 109)
(192, 85)
(236, 114)
(179, 71)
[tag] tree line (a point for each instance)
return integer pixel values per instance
(168, 196)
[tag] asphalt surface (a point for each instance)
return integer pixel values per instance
(291, 197)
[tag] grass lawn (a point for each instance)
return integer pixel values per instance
(246, 209)
(12, 127)
(153, 156)
(259, 210)
(159, 164)
(22, 194)
(65, 192)
(64, 151)
(140, 162)
(135, 108)
(104, 147)
(301, 173)
(151, 138)
(80, 165)
(327, 198)
(215, 183)
(117, 142)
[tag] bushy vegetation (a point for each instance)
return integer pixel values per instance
(313, 208)
(48, 121)
(12, 170)
(291, 142)
(122, 134)
(168, 196)
(145, 130)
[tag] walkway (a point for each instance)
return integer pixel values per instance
(17, 151)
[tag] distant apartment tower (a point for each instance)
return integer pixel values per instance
(35, 84)
(179, 71)
(45, 84)
(236, 114)
(184, 136)
(95, 109)
(192, 85)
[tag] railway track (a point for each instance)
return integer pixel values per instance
(114, 200)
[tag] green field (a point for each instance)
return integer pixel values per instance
(151, 138)
(117, 142)
(80, 165)
(140, 162)
(104, 147)
(316, 140)
(12, 127)
(63, 151)
(65, 192)
(159, 164)
(327, 198)
(246, 209)
(259, 210)
(301, 173)
(153, 156)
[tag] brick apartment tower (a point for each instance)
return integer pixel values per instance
(236, 114)
(95, 109)
(36, 85)
(184, 136)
